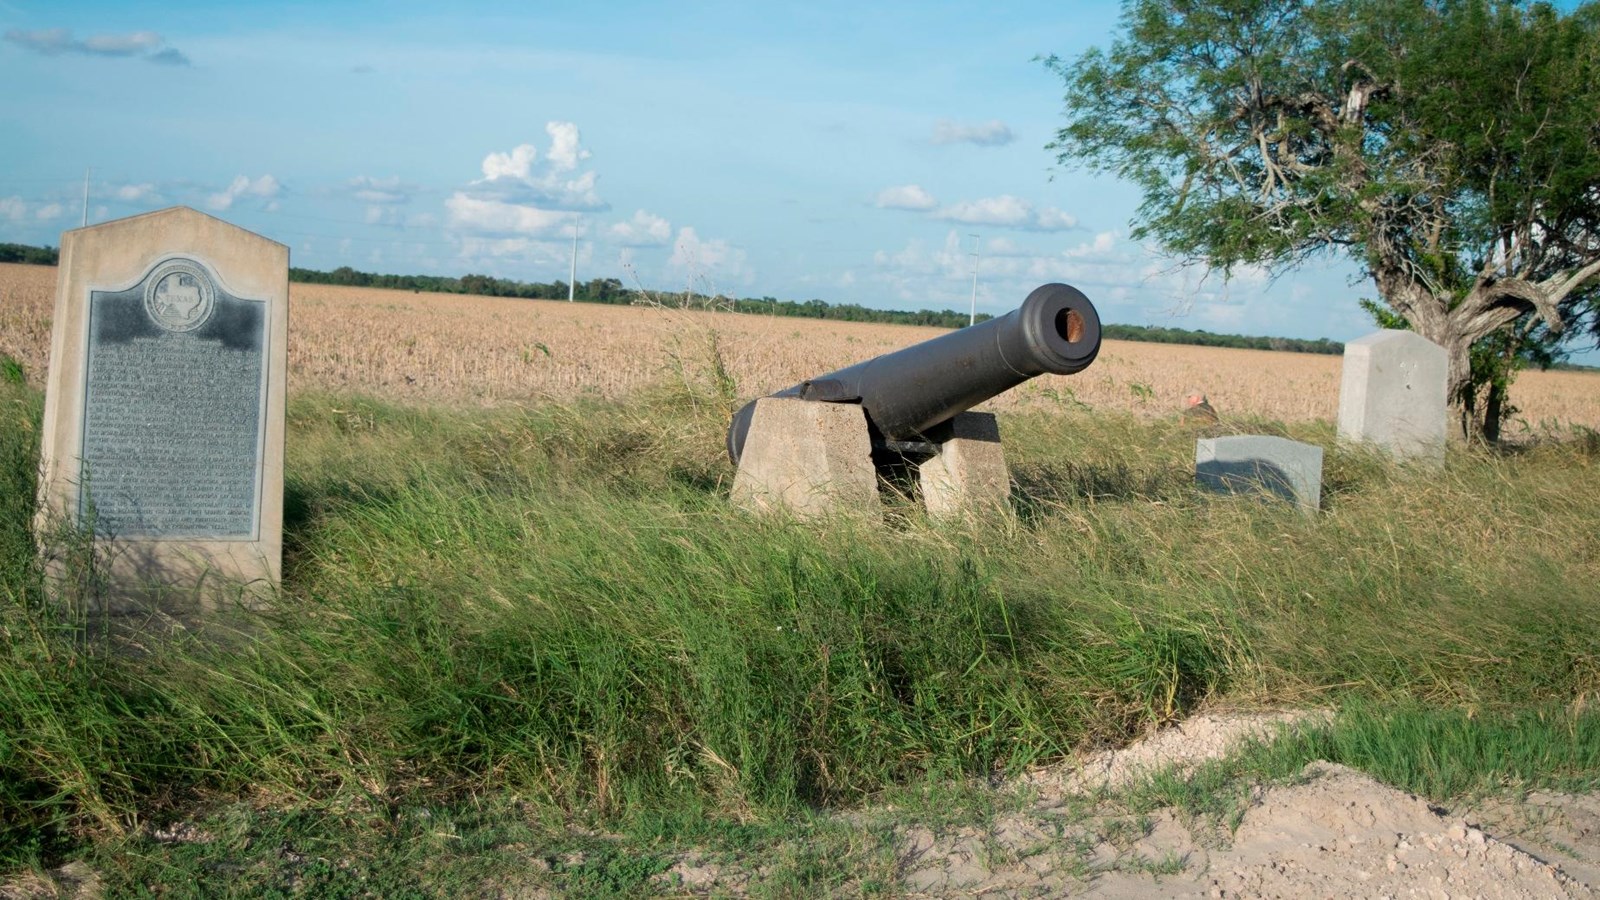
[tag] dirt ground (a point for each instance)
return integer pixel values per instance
(1334, 833)
(1337, 833)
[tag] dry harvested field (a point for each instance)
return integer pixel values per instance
(453, 349)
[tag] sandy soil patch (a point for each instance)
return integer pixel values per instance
(1335, 833)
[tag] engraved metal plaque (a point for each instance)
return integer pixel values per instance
(174, 408)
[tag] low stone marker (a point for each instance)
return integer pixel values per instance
(163, 427)
(968, 471)
(1261, 464)
(1392, 395)
(807, 457)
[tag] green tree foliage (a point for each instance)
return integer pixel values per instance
(22, 253)
(1202, 338)
(1449, 147)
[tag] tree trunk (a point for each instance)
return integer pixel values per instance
(1458, 373)
(1458, 384)
(1493, 412)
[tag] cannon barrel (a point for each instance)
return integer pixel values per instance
(908, 392)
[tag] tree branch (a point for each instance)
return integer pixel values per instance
(1558, 288)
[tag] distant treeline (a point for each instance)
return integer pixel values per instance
(612, 291)
(1156, 335)
(22, 253)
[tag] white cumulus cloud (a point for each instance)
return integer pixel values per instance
(499, 217)
(263, 188)
(1049, 218)
(700, 258)
(516, 164)
(133, 193)
(48, 211)
(1100, 246)
(1006, 211)
(992, 133)
(527, 192)
(565, 149)
(13, 208)
(906, 196)
(643, 230)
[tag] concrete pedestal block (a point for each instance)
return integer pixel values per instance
(969, 472)
(808, 458)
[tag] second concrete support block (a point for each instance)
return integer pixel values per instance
(968, 474)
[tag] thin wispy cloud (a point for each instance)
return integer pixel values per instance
(643, 230)
(906, 196)
(146, 45)
(265, 188)
(698, 258)
(1004, 211)
(993, 133)
(143, 192)
(369, 189)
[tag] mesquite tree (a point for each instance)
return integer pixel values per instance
(1450, 147)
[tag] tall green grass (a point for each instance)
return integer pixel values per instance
(556, 603)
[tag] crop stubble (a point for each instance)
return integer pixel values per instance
(484, 350)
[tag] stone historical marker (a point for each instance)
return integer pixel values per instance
(1261, 464)
(1392, 395)
(163, 427)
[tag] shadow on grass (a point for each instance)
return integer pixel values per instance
(1038, 487)
(306, 505)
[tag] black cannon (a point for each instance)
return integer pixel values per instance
(909, 393)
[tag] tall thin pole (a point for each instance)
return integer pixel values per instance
(86, 196)
(572, 278)
(972, 317)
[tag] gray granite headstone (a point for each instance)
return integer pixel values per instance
(163, 430)
(1392, 395)
(1261, 464)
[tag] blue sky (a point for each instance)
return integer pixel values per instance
(846, 151)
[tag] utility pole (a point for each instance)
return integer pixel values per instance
(86, 196)
(573, 277)
(972, 318)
